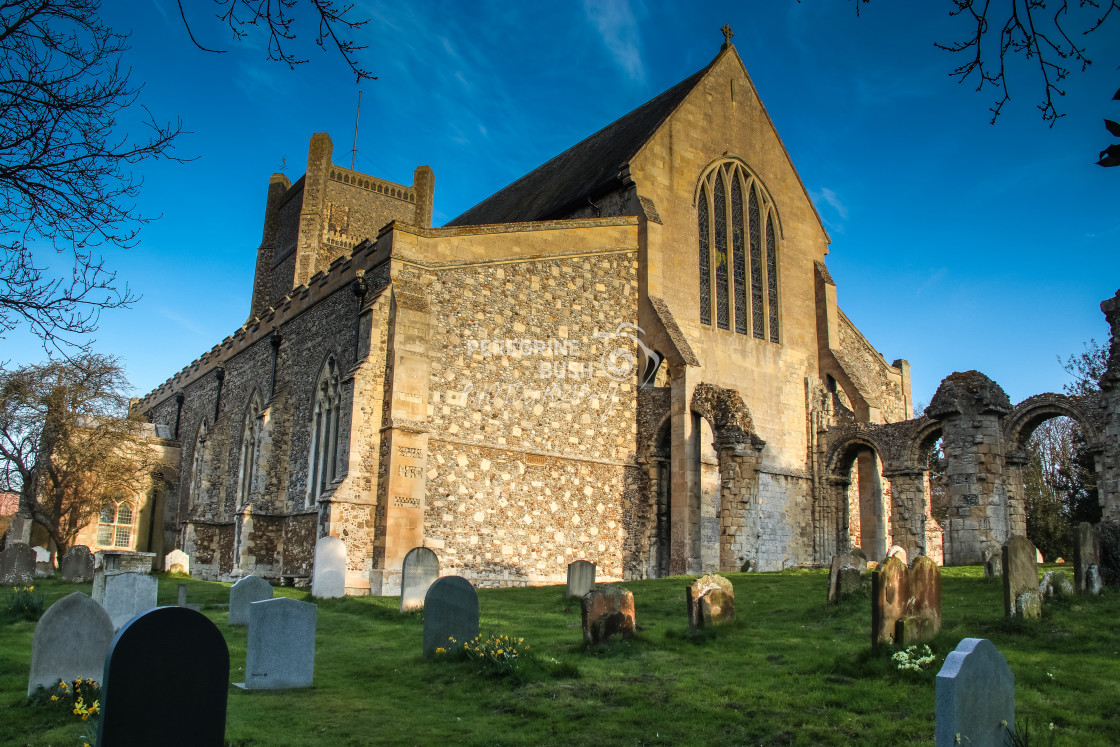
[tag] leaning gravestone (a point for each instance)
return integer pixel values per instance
(328, 577)
(17, 565)
(70, 641)
(975, 696)
(888, 599)
(450, 612)
(125, 595)
(841, 583)
(606, 612)
(921, 619)
(242, 594)
(44, 567)
(281, 649)
(1020, 578)
(77, 565)
(1086, 552)
(581, 578)
(172, 650)
(177, 561)
(711, 601)
(420, 570)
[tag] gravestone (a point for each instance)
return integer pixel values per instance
(420, 570)
(993, 568)
(1054, 583)
(177, 561)
(77, 565)
(1093, 580)
(182, 601)
(17, 565)
(897, 552)
(123, 561)
(44, 567)
(888, 599)
(281, 649)
(166, 679)
(125, 595)
(975, 696)
(921, 619)
(606, 612)
(1086, 552)
(328, 577)
(242, 594)
(1020, 578)
(450, 612)
(840, 583)
(711, 601)
(581, 578)
(70, 641)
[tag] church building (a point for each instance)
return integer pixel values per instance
(631, 355)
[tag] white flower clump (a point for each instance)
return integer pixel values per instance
(913, 659)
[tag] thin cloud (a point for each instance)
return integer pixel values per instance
(832, 200)
(618, 28)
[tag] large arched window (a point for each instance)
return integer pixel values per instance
(114, 526)
(738, 271)
(323, 459)
(198, 466)
(250, 445)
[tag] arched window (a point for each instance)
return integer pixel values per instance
(323, 459)
(198, 466)
(250, 444)
(733, 255)
(114, 526)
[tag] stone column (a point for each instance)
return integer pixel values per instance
(740, 455)
(1110, 386)
(684, 497)
(832, 519)
(911, 510)
(970, 407)
(1015, 461)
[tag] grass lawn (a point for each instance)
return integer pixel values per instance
(791, 670)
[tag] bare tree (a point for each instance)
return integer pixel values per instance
(67, 439)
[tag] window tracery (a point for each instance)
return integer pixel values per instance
(323, 459)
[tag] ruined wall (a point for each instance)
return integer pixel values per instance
(881, 382)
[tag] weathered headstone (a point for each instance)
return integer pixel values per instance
(125, 595)
(177, 561)
(168, 647)
(77, 565)
(581, 578)
(921, 620)
(242, 594)
(606, 612)
(711, 601)
(281, 649)
(1093, 580)
(1086, 552)
(993, 568)
(888, 599)
(1054, 583)
(123, 561)
(1020, 577)
(897, 552)
(71, 640)
(420, 570)
(839, 583)
(17, 565)
(975, 696)
(328, 579)
(450, 612)
(44, 565)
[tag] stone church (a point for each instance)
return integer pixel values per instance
(631, 355)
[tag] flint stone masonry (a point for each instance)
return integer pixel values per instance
(125, 595)
(1086, 552)
(1020, 577)
(281, 649)
(71, 640)
(420, 570)
(329, 578)
(607, 612)
(975, 696)
(177, 561)
(581, 578)
(243, 594)
(77, 565)
(175, 645)
(710, 601)
(17, 565)
(450, 611)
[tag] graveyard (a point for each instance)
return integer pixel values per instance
(791, 669)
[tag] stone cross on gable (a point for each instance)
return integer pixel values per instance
(727, 34)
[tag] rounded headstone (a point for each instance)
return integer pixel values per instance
(450, 612)
(281, 649)
(420, 570)
(242, 594)
(17, 565)
(975, 695)
(77, 565)
(328, 577)
(71, 640)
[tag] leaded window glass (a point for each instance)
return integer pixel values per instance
(772, 279)
(723, 320)
(756, 266)
(114, 525)
(705, 263)
(325, 419)
(250, 442)
(739, 256)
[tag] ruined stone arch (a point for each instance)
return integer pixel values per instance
(1032, 412)
(843, 450)
(724, 409)
(926, 432)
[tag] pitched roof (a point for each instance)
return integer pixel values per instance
(589, 167)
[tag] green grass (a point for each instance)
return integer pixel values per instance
(790, 671)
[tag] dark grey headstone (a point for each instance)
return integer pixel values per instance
(328, 579)
(182, 600)
(70, 641)
(450, 612)
(975, 695)
(281, 650)
(581, 578)
(421, 569)
(17, 565)
(1020, 575)
(1093, 580)
(77, 565)
(125, 595)
(1086, 552)
(242, 594)
(168, 647)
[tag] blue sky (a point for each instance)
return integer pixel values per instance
(955, 244)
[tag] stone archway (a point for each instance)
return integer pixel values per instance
(858, 511)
